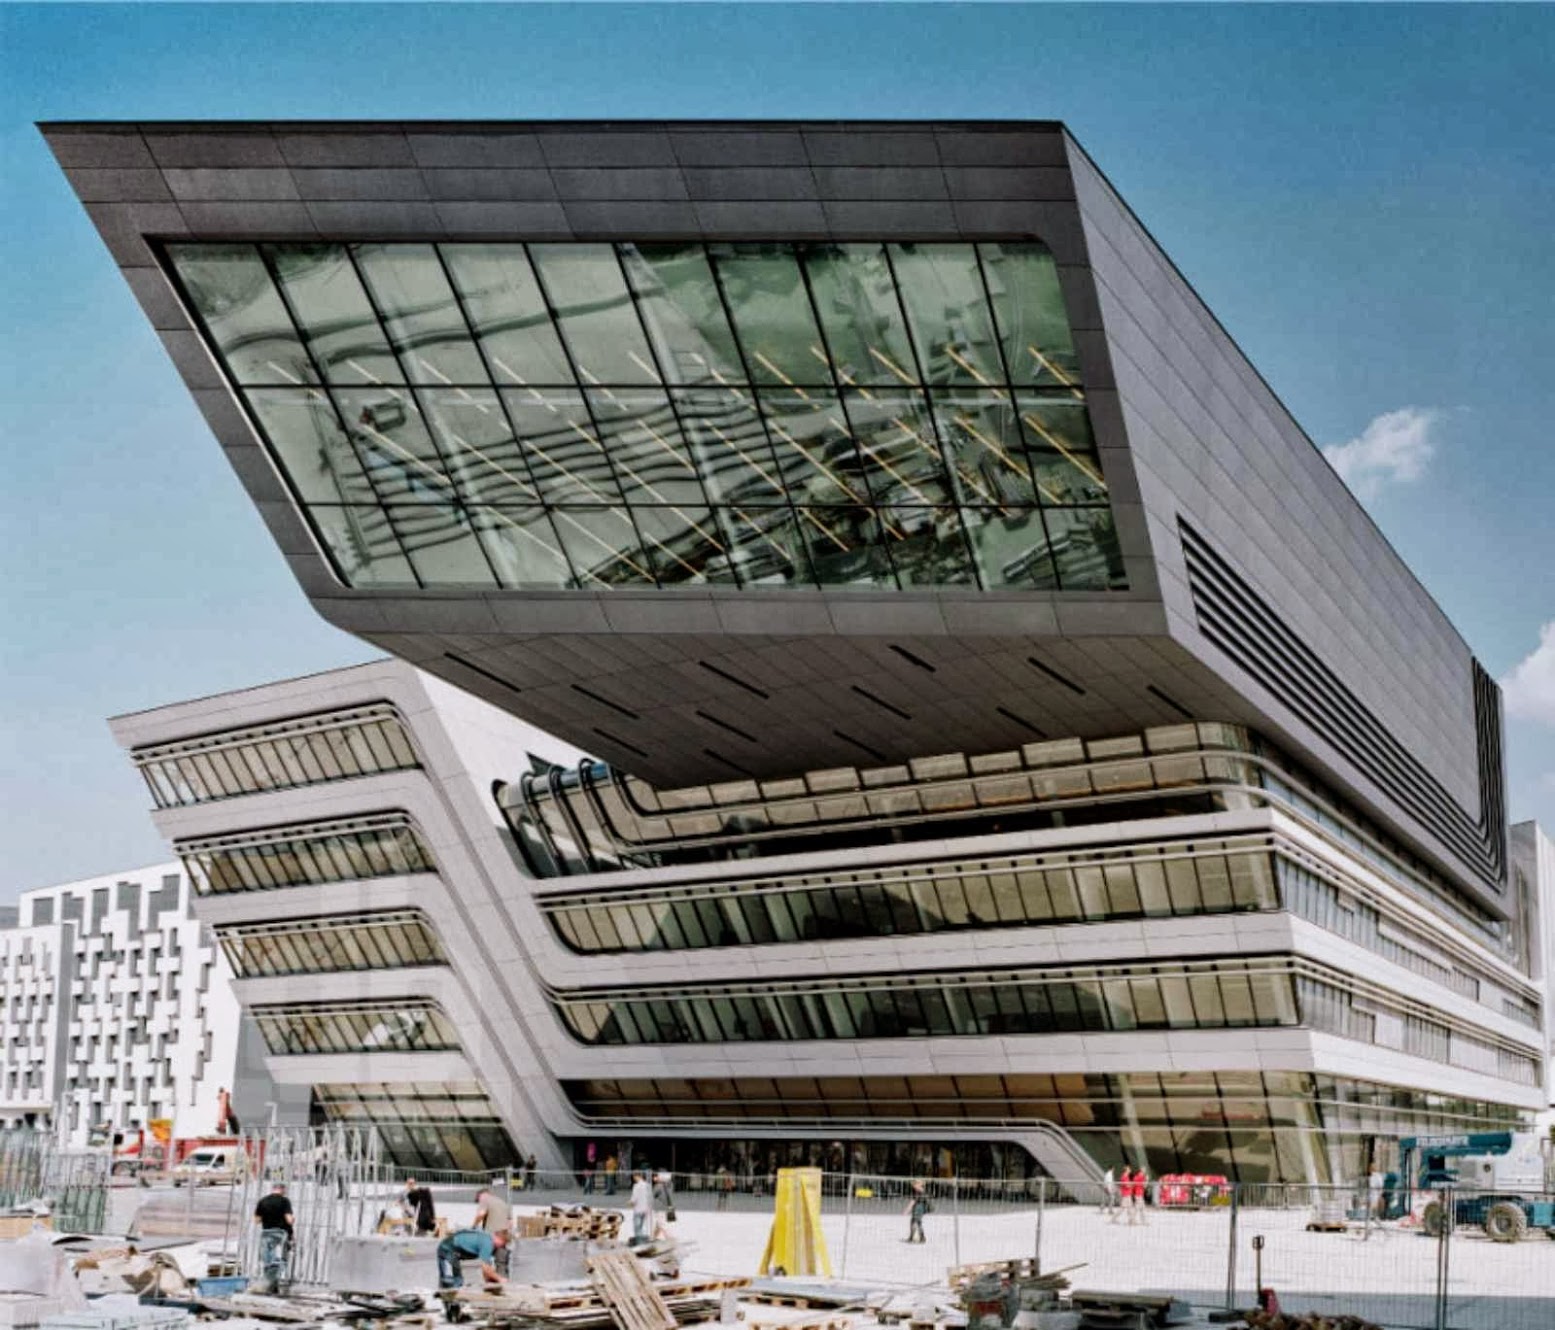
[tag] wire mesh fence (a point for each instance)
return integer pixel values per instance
(71, 1186)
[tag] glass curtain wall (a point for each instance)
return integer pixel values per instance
(1208, 877)
(308, 854)
(604, 415)
(280, 757)
(410, 1025)
(425, 1125)
(388, 940)
(1207, 995)
(1269, 1127)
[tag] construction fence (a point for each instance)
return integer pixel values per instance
(1330, 1250)
(70, 1186)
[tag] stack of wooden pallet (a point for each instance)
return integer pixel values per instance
(582, 1222)
(613, 1298)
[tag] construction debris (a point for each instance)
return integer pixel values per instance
(1261, 1320)
(583, 1222)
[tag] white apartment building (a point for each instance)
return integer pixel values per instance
(116, 1008)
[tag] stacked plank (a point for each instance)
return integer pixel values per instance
(580, 1307)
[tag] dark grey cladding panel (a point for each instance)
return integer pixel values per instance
(480, 220)
(156, 297)
(737, 183)
(880, 182)
(135, 184)
(762, 220)
(385, 147)
(871, 147)
(489, 183)
(104, 146)
(356, 182)
(627, 182)
(230, 183)
(605, 147)
(494, 150)
(218, 221)
(738, 148)
(215, 149)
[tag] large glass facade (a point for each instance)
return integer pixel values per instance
(425, 1125)
(1252, 1127)
(410, 1025)
(384, 845)
(1183, 878)
(603, 415)
(1217, 994)
(384, 940)
(310, 750)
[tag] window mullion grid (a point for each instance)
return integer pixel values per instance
(749, 388)
(920, 364)
(455, 498)
(674, 408)
(565, 345)
(323, 388)
(521, 253)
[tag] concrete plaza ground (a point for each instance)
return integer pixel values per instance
(1388, 1275)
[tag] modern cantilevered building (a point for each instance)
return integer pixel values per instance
(1006, 732)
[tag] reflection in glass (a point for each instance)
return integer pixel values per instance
(597, 315)
(608, 414)
(1010, 546)
(859, 312)
(420, 314)
(507, 312)
(948, 314)
(1085, 548)
(248, 324)
(683, 313)
(336, 318)
(766, 295)
(1028, 306)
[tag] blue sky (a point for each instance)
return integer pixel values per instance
(1362, 194)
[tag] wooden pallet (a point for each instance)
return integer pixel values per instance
(626, 1290)
(1016, 1270)
(821, 1323)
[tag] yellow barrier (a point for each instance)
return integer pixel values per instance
(796, 1245)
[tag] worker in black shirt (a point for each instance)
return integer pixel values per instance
(418, 1200)
(273, 1214)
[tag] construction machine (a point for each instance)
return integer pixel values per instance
(1499, 1181)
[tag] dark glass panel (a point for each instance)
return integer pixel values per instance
(441, 542)
(765, 293)
(728, 441)
(1062, 451)
(1010, 547)
(231, 289)
(894, 436)
(847, 546)
(1084, 545)
(472, 430)
(767, 546)
(566, 458)
(396, 448)
(420, 314)
(984, 447)
(597, 315)
(603, 546)
(1028, 306)
(948, 314)
(815, 454)
(363, 545)
(685, 544)
(856, 298)
(314, 451)
(642, 435)
(683, 313)
(929, 547)
(523, 547)
(506, 308)
(337, 320)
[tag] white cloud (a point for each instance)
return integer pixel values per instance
(1393, 449)
(1529, 689)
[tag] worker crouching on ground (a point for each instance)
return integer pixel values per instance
(469, 1244)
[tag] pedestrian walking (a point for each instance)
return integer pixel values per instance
(642, 1207)
(725, 1185)
(664, 1196)
(610, 1175)
(1109, 1194)
(530, 1164)
(274, 1216)
(1123, 1194)
(916, 1209)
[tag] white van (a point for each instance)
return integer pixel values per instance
(208, 1166)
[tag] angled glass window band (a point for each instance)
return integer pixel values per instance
(599, 415)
